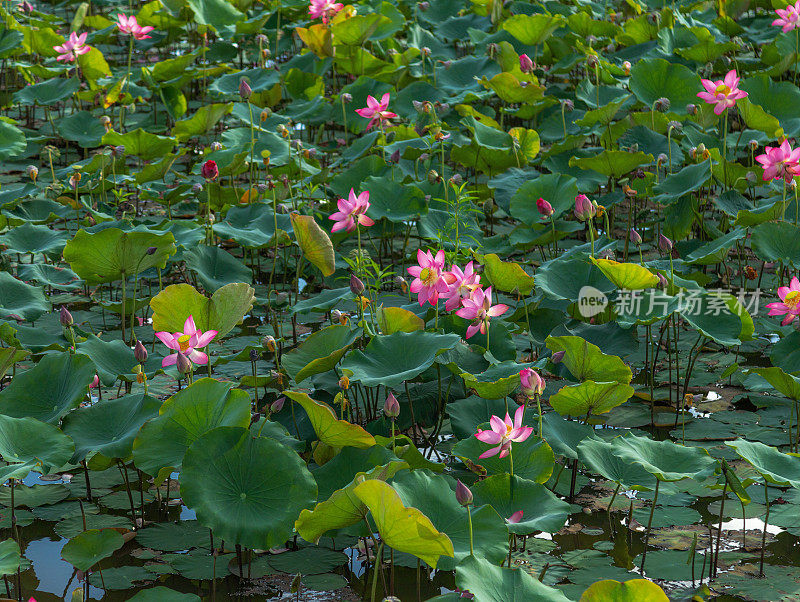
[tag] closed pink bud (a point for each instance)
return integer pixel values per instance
(391, 407)
(463, 494)
(557, 357)
(525, 63)
(545, 208)
(584, 208)
(277, 405)
(210, 171)
(530, 382)
(635, 237)
(664, 243)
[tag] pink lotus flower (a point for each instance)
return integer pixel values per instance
(780, 162)
(352, 212)
(480, 310)
(462, 285)
(503, 433)
(789, 305)
(430, 279)
(186, 342)
(722, 93)
(72, 47)
(131, 26)
(788, 17)
(515, 518)
(376, 112)
(95, 382)
(324, 9)
(530, 382)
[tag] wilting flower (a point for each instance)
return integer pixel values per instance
(324, 9)
(788, 17)
(515, 518)
(209, 170)
(480, 310)
(780, 162)
(722, 93)
(430, 279)
(352, 211)
(186, 343)
(462, 285)
(131, 26)
(376, 112)
(584, 208)
(72, 47)
(789, 305)
(530, 382)
(503, 433)
(545, 208)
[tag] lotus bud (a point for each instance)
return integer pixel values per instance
(33, 172)
(691, 109)
(140, 352)
(65, 317)
(344, 383)
(664, 243)
(268, 342)
(626, 66)
(433, 177)
(584, 208)
(347, 97)
(662, 104)
(635, 237)
(395, 156)
(356, 285)
(391, 407)
(530, 382)
(463, 494)
(557, 357)
(525, 63)
(209, 171)
(662, 282)
(545, 208)
(184, 364)
(245, 91)
(95, 382)
(277, 405)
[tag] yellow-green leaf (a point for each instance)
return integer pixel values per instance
(403, 529)
(628, 276)
(314, 243)
(329, 429)
(343, 508)
(397, 319)
(635, 590)
(506, 276)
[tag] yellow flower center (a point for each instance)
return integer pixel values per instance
(723, 89)
(428, 276)
(508, 429)
(792, 299)
(183, 342)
